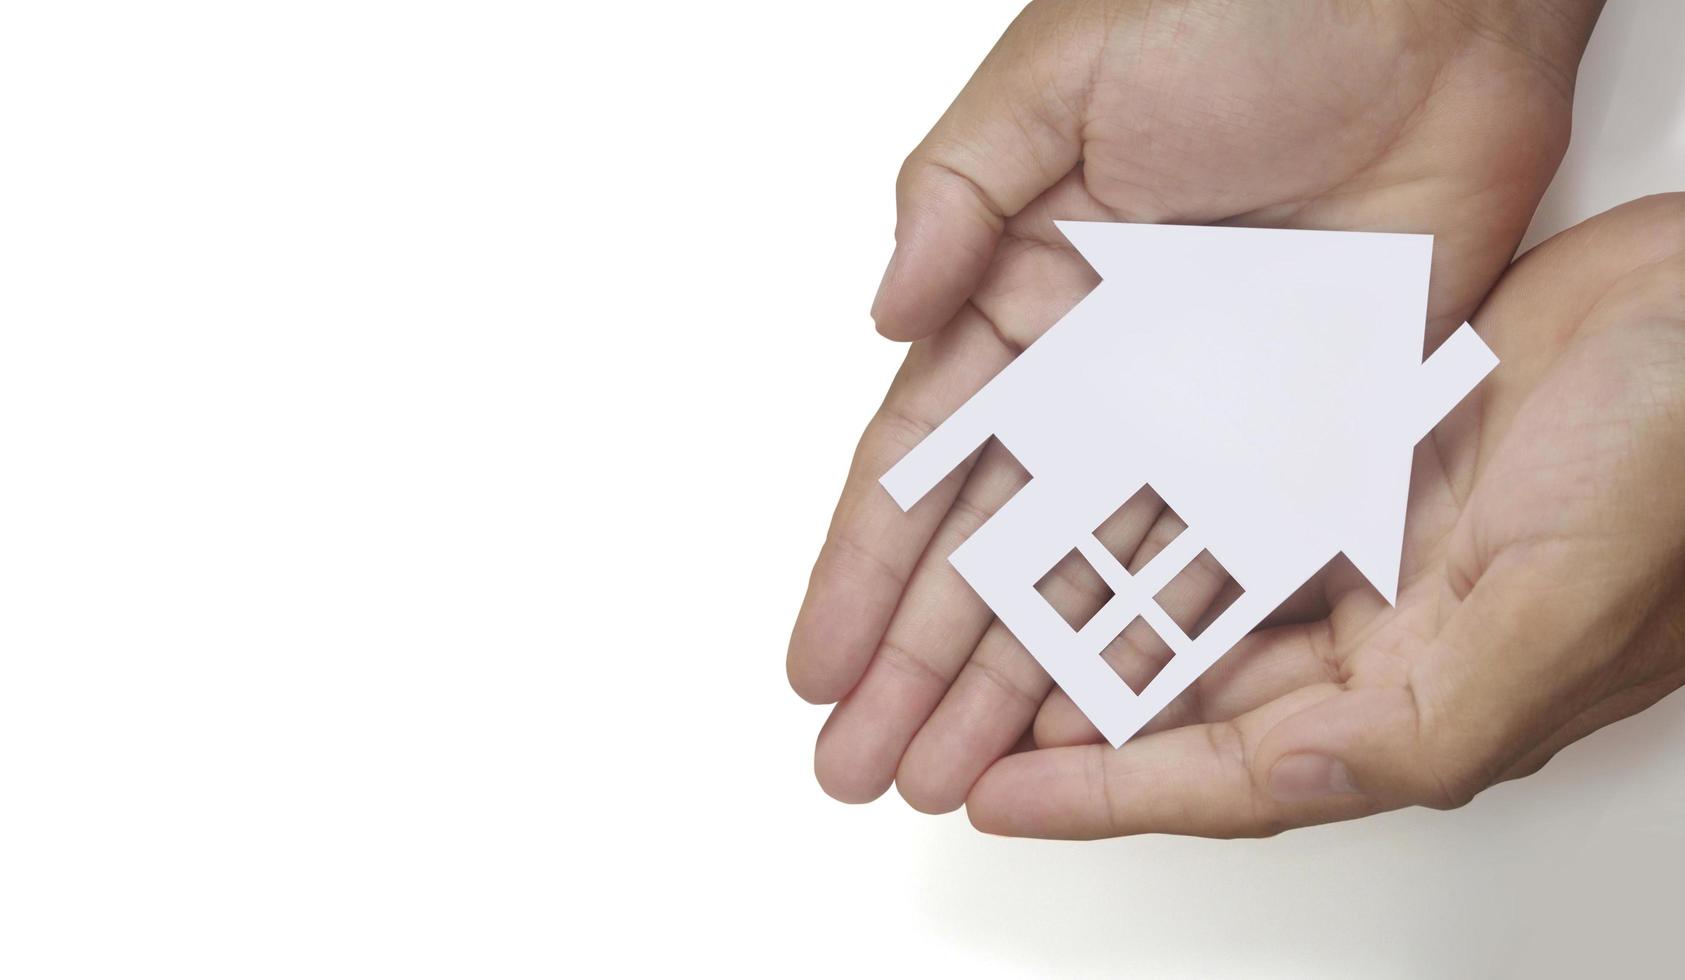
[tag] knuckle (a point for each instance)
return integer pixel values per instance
(1261, 817)
(902, 429)
(1448, 791)
(1441, 771)
(1079, 588)
(1446, 779)
(967, 515)
(1102, 788)
(858, 562)
(1266, 824)
(1001, 680)
(1228, 745)
(910, 665)
(935, 160)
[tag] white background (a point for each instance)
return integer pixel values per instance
(416, 422)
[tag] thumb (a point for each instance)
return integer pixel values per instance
(1014, 131)
(1364, 746)
(1513, 661)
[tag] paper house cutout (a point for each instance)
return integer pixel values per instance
(1268, 384)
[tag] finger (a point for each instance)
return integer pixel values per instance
(995, 697)
(934, 630)
(1200, 779)
(982, 717)
(1037, 275)
(1013, 132)
(872, 546)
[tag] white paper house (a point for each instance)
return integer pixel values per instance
(1268, 384)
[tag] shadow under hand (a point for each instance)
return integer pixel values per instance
(1494, 889)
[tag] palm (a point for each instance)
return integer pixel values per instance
(1207, 112)
(1229, 115)
(1177, 115)
(1530, 478)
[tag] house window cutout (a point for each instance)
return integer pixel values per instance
(1137, 655)
(1198, 594)
(1074, 589)
(1137, 530)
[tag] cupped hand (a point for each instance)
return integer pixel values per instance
(1442, 117)
(1544, 590)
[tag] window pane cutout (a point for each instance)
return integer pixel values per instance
(1074, 589)
(1198, 594)
(1138, 654)
(1125, 534)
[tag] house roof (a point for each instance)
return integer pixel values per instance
(1282, 370)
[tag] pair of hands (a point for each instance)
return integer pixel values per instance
(1543, 587)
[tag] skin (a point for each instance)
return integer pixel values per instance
(1447, 118)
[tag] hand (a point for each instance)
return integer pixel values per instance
(1442, 117)
(1543, 596)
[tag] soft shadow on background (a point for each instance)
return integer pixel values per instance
(1570, 871)
(1629, 117)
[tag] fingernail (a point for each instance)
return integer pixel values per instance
(1297, 778)
(877, 299)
